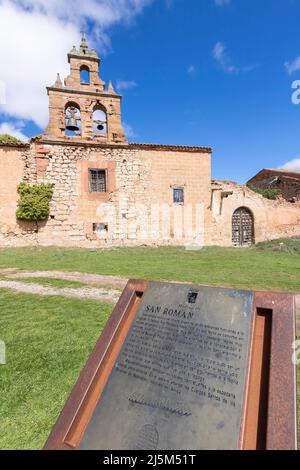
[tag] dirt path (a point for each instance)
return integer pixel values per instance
(115, 282)
(104, 295)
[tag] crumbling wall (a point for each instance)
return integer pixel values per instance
(272, 219)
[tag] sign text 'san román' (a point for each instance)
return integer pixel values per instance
(183, 363)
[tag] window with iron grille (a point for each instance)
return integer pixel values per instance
(178, 195)
(97, 181)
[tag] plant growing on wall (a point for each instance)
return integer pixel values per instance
(9, 139)
(34, 202)
(268, 193)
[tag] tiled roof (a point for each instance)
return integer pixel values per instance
(283, 170)
(4, 143)
(172, 148)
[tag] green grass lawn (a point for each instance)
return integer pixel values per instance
(268, 266)
(48, 340)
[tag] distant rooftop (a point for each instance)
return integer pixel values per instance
(267, 173)
(282, 170)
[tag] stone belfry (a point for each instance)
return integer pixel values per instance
(81, 109)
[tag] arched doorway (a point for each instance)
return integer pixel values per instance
(242, 227)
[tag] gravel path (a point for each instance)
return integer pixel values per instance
(105, 295)
(115, 282)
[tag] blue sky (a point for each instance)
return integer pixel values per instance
(194, 72)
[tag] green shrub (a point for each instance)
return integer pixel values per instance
(268, 193)
(9, 139)
(33, 204)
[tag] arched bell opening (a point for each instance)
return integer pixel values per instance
(72, 119)
(99, 121)
(243, 227)
(85, 78)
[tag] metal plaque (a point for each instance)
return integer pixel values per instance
(179, 380)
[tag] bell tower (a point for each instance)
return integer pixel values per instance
(82, 108)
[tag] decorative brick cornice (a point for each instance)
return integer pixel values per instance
(96, 94)
(171, 148)
(83, 57)
(15, 145)
(128, 146)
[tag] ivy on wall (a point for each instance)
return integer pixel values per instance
(34, 202)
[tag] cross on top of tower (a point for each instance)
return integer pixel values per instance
(84, 49)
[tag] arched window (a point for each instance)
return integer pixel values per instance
(99, 120)
(84, 75)
(72, 119)
(242, 227)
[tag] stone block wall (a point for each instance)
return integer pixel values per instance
(272, 219)
(58, 101)
(138, 205)
(11, 171)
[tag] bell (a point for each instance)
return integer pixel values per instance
(72, 125)
(100, 127)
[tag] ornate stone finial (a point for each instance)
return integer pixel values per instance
(94, 53)
(73, 50)
(58, 82)
(84, 48)
(110, 88)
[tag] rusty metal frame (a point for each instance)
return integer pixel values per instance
(271, 384)
(75, 416)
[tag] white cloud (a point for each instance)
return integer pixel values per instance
(222, 2)
(221, 56)
(191, 70)
(2, 92)
(13, 129)
(292, 66)
(128, 130)
(103, 12)
(125, 84)
(291, 165)
(35, 36)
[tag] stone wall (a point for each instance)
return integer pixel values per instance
(272, 219)
(87, 97)
(11, 171)
(137, 208)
